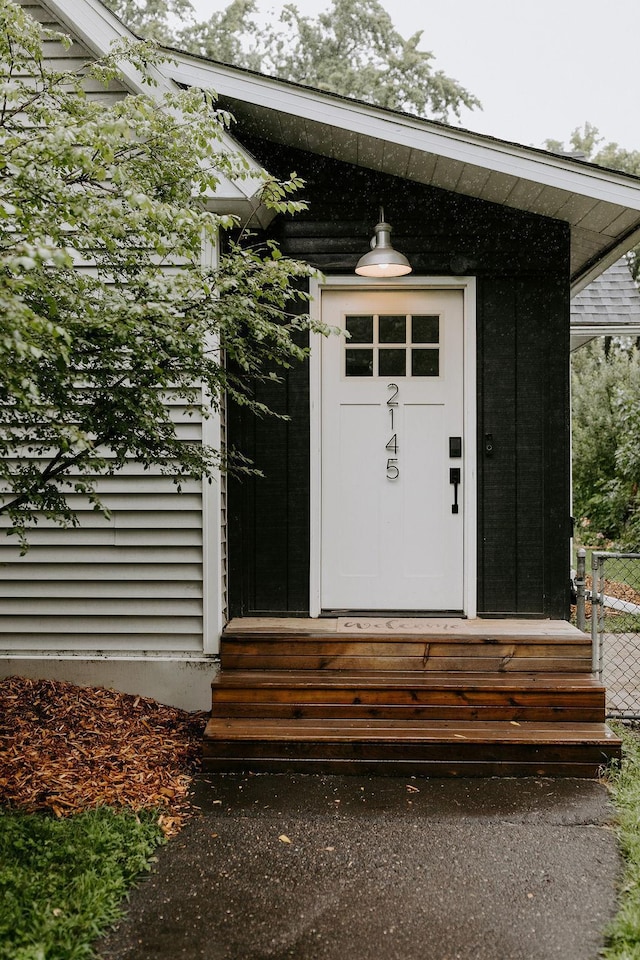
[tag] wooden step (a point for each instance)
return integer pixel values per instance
(437, 747)
(410, 695)
(446, 652)
(440, 697)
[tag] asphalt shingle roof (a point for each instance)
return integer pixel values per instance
(612, 301)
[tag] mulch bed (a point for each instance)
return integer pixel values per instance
(67, 749)
(622, 591)
(612, 588)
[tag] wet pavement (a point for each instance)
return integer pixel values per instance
(378, 868)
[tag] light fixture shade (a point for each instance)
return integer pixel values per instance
(382, 260)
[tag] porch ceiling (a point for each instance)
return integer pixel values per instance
(601, 206)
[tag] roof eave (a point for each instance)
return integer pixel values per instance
(99, 28)
(592, 270)
(430, 136)
(538, 178)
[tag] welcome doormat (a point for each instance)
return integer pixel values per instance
(397, 624)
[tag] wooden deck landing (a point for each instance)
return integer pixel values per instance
(442, 696)
(401, 626)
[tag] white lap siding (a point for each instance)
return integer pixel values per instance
(127, 586)
(62, 58)
(129, 583)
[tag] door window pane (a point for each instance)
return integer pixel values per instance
(425, 329)
(360, 328)
(359, 363)
(392, 363)
(392, 329)
(425, 363)
(392, 345)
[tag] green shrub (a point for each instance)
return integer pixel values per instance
(62, 882)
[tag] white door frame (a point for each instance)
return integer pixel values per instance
(469, 473)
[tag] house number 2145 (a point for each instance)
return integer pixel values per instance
(393, 471)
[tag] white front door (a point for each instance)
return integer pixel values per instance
(392, 517)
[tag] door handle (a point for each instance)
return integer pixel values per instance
(454, 478)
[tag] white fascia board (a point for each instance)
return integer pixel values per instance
(583, 334)
(98, 28)
(605, 329)
(461, 145)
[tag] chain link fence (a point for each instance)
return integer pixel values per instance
(608, 602)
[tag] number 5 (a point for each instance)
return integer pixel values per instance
(392, 471)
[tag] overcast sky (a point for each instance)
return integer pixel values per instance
(540, 68)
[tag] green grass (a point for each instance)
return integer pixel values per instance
(619, 571)
(62, 882)
(622, 571)
(621, 623)
(618, 623)
(623, 935)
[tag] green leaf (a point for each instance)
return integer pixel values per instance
(90, 356)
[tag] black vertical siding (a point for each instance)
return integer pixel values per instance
(497, 487)
(557, 453)
(269, 528)
(521, 264)
(524, 483)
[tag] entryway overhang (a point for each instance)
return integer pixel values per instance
(601, 207)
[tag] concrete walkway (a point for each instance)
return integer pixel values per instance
(372, 868)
